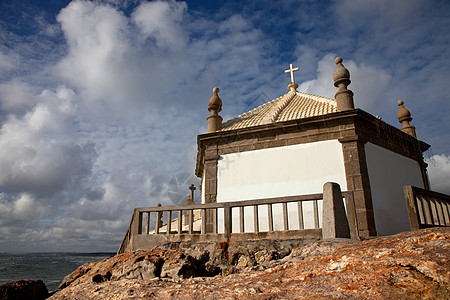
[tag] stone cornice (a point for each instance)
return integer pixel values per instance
(348, 125)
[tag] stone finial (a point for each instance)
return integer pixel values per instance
(341, 77)
(404, 117)
(214, 121)
(215, 103)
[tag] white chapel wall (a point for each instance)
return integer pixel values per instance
(282, 171)
(274, 172)
(388, 173)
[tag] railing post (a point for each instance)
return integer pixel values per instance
(227, 220)
(180, 222)
(157, 222)
(270, 216)
(169, 221)
(316, 214)
(334, 219)
(256, 218)
(301, 224)
(136, 223)
(241, 219)
(147, 222)
(214, 221)
(285, 217)
(191, 221)
(203, 221)
(351, 215)
(428, 213)
(412, 207)
(434, 211)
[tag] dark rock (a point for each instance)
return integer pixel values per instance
(179, 266)
(24, 289)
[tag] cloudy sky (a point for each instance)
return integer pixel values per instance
(101, 101)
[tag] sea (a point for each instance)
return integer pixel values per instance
(49, 267)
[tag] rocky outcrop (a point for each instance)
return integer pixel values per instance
(182, 260)
(24, 289)
(411, 265)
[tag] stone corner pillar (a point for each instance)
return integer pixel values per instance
(357, 176)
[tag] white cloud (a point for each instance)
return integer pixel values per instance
(96, 36)
(161, 21)
(16, 97)
(38, 153)
(21, 210)
(439, 173)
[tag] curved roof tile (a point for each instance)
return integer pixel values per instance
(290, 106)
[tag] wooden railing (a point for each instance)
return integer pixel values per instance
(179, 220)
(427, 208)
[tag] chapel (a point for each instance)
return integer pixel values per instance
(293, 144)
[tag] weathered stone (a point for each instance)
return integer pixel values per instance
(243, 262)
(411, 265)
(80, 271)
(179, 266)
(24, 289)
(145, 269)
(263, 256)
(335, 223)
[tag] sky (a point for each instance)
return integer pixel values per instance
(101, 101)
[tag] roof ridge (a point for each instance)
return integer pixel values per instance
(274, 112)
(317, 97)
(290, 106)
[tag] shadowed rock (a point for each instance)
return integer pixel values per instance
(24, 289)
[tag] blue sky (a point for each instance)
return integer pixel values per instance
(101, 101)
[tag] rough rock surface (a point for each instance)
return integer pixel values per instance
(24, 289)
(411, 265)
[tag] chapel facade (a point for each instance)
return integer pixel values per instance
(294, 144)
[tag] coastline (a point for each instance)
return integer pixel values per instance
(50, 267)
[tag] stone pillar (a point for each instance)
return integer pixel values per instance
(334, 218)
(357, 176)
(341, 77)
(210, 187)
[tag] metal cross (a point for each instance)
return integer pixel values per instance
(291, 70)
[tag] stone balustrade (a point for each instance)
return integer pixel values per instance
(153, 226)
(427, 208)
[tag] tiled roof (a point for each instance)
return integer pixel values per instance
(291, 106)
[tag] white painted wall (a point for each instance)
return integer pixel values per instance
(388, 173)
(282, 171)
